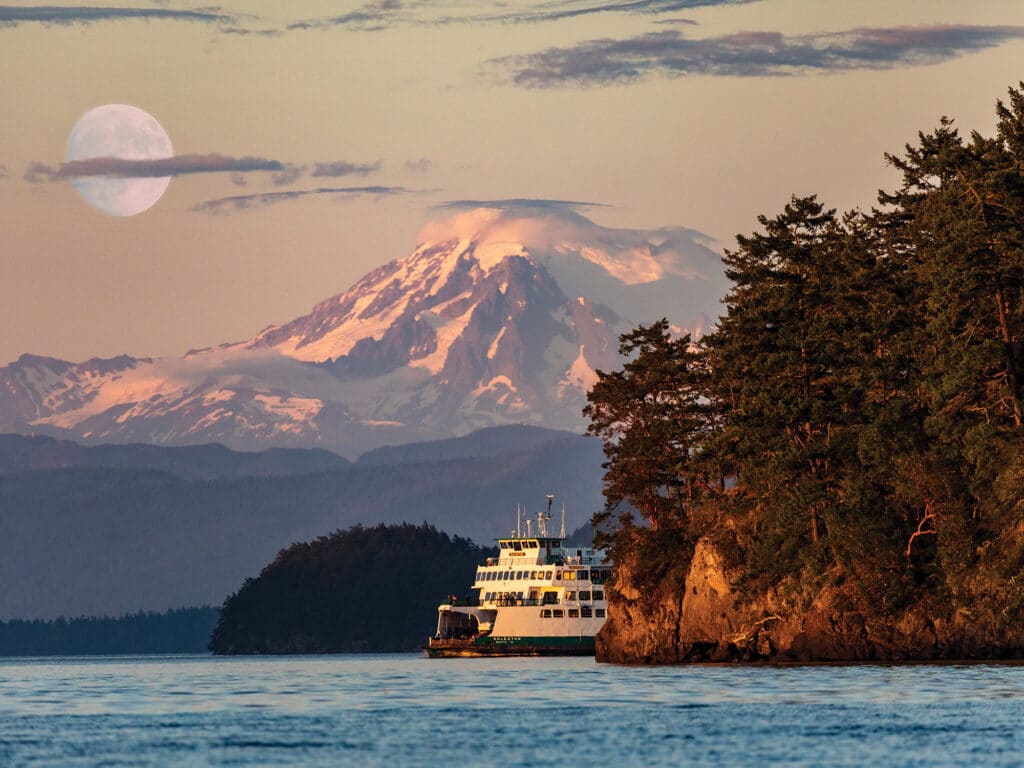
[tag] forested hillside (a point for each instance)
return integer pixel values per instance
(845, 453)
(364, 589)
(180, 630)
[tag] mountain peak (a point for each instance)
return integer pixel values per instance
(502, 314)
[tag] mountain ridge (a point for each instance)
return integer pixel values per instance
(487, 322)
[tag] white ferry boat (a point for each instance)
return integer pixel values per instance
(539, 597)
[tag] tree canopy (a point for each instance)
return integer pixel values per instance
(856, 416)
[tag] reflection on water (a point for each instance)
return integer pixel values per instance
(408, 710)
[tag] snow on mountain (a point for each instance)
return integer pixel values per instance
(500, 315)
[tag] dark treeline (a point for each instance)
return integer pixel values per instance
(855, 420)
(360, 590)
(182, 630)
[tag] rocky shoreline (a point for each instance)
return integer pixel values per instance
(701, 619)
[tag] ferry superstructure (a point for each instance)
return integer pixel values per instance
(539, 597)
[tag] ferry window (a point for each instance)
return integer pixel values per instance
(533, 574)
(558, 574)
(599, 613)
(584, 594)
(585, 612)
(599, 594)
(558, 613)
(545, 613)
(492, 575)
(508, 576)
(569, 575)
(547, 575)
(595, 576)
(583, 575)
(517, 546)
(574, 613)
(570, 595)
(479, 574)
(503, 544)
(550, 597)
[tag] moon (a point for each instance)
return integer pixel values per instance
(128, 133)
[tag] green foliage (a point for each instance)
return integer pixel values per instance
(855, 420)
(360, 590)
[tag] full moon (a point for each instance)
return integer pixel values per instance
(127, 133)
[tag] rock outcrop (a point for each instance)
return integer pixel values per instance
(699, 616)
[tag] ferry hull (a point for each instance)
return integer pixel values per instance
(510, 646)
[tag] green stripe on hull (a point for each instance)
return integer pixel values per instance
(511, 646)
(547, 642)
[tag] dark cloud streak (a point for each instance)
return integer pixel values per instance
(260, 199)
(179, 165)
(12, 15)
(344, 168)
(519, 203)
(748, 54)
(377, 16)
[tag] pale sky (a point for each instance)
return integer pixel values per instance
(696, 113)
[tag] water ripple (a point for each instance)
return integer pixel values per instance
(384, 710)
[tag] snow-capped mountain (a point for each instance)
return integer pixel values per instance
(500, 315)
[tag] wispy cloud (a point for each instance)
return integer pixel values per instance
(371, 17)
(748, 54)
(13, 15)
(338, 168)
(422, 165)
(519, 203)
(384, 14)
(260, 199)
(572, 10)
(179, 165)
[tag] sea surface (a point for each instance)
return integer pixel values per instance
(406, 710)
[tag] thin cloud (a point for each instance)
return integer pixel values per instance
(179, 165)
(344, 168)
(4, 173)
(519, 203)
(423, 165)
(573, 10)
(677, 22)
(385, 14)
(748, 54)
(258, 200)
(13, 15)
(371, 17)
(287, 175)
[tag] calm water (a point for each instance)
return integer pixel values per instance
(407, 710)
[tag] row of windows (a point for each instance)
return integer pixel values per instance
(596, 576)
(585, 595)
(519, 546)
(573, 613)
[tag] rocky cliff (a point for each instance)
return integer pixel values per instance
(696, 614)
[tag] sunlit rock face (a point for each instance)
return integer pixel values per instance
(499, 315)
